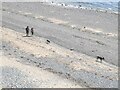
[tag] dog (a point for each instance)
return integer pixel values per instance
(48, 41)
(71, 49)
(100, 58)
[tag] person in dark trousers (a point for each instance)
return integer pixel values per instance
(32, 31)
(27, 30)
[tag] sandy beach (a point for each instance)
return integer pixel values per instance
(76, 37)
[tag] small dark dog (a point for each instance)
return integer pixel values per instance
(100, 58)
(48, 41)
(71, 49)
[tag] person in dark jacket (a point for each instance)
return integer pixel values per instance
(32, 31)
(27, 30)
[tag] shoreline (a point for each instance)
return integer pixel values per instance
(80, 7)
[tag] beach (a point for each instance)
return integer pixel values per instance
(76, 37)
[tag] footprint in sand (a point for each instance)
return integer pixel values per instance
(3, 46)
(60, 72)
(93, 51)
(21, 57)
(85, 82)
(89, 65)
(9, 54)
(17, 47)
(38, 65)
(71, 62)
(102, 76)
(95, 73)
(5, 49)
(54, 84)
(15, 51)
(42, 47)
(67, 55)
(53, 51)
(32, 55)
(68, 74)
(28, 59)
(111, 79)
(80, 59)
(107, 77)
(35, 62)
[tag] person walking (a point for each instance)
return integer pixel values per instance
(32, 31)
(27, 30)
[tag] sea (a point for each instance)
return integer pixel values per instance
(102, 6)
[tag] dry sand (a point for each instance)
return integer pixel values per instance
(30, 62)
(70, 58)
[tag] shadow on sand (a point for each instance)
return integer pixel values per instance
(27, 36)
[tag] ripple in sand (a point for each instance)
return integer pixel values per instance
(39, 17)
(27, 13)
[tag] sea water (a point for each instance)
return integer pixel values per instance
(105, 6)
